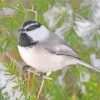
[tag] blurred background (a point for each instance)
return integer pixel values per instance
(77, 22)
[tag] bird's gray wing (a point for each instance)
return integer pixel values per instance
(57, 46)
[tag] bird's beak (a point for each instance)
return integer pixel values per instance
(21, 30)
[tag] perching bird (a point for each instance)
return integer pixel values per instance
(44, 50)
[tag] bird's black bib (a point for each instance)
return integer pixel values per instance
(26, 41)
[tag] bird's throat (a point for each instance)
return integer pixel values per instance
(26, 41)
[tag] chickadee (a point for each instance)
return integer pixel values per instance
(44, 50)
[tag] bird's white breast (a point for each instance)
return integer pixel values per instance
(42, 60)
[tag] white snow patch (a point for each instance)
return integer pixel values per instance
(49, 97)
(84, 28)
(3, 78)
(65, 27)
(83, 89)
(84, 77)
(8, 85)
(95, 6)
(88, 31)
(55, 14)
(60, 78)
(9, 11)
(94, 60)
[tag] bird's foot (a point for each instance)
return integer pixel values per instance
(29, 71)
(43, 76)
(25, 71)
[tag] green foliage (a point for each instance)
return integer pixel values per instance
(85, 12)
(3, 96)
(12, 69)
(41, 7)
(73, 39)
(56, 92)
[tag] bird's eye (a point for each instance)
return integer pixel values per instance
(30, 28)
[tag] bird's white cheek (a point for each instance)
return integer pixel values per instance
(39, 34)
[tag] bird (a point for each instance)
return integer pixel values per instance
(46, 51)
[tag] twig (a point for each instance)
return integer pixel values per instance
(32, 10)
(41, 87)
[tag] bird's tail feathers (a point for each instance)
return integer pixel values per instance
(88, 65)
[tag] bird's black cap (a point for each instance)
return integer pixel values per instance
(31, 25)
(28, 22)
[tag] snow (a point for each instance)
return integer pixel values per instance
(49, 97)
(9, 11)
(96, 11)
(65, 27)
(84, 28)
(94, 60)
(60, 78)
(83, 89)
(84, 77)
(89, 30)
(5, 82)
(3, 79)
(54, 15)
